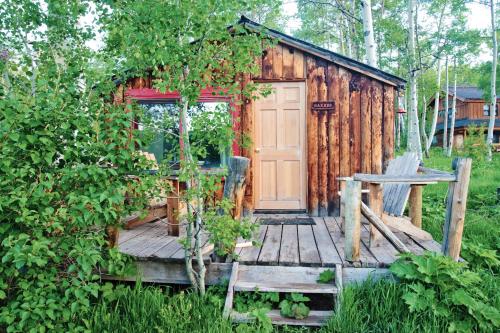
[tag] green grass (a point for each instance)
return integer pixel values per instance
(369, 307)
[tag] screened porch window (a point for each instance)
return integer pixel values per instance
(209, 124)
(486, 110)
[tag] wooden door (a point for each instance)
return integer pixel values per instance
(279, 148)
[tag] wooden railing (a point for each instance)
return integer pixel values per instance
(353, 207)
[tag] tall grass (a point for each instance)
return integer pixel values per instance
(378, 307)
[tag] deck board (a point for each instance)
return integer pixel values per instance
(285, 245)
(327, 251)
(308, 251)
(270, 252)
(289, 251)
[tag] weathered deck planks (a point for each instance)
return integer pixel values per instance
(319, 245)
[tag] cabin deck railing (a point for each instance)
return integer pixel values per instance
(353, 207)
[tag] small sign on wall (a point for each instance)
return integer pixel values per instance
(328, 106)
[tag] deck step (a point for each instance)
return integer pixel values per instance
(315, 318)
(305, 288)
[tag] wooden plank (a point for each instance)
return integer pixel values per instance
(289, 252)
(250, 255)
(402, 224)
(333, 140)
(286, 287)
(403, 178)
(228, 305)
(312, 138)
(154, 213)
(166, 252)
(352, 223)
(376, 221)
(336, 236)
(384, 253)
(375, 199)
(358, 275)
(343, 108)
(308, 251)
(154, 245)
(355, 125)
(125, 235)
(455, 208)
(173, 273)
(277, 70)
(366, 133)
(267, 64)
(323, 144)
(388, 126)
(376, 127)
(140, 240)
(298, 64)
(327, 251)
(315, 318)
(288, 62)
(415, 202)
(270, 251)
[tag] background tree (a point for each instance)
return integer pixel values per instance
(493, 94)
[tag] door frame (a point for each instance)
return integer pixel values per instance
(304, 159)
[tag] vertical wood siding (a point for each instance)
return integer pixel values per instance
(357, 137)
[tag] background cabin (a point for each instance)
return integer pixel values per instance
(471, 109)
(328, 116)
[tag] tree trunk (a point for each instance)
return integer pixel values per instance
(414, 144)
(453, 109)
(491, 123)
(423, 125)
(370, 45)
(446, 106)
(436, 110)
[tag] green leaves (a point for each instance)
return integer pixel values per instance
(447, 288)
(293, 306)
(326, 276)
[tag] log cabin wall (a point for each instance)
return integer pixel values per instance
(357, 137)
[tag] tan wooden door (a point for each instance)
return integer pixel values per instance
(279, 143)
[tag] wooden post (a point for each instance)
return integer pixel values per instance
(342, 181)
(455, 208)
(352, 212)
(234, 184)
(375, 200)
(416, 205)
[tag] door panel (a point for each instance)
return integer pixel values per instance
(280, 169)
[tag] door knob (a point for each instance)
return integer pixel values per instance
(257, 150)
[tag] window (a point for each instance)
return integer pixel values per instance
(159, 130)
(486, 110)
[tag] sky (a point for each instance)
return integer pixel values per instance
(479, 18)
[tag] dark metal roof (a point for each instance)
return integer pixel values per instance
(467, 92)
(460, 123)
(324, 53)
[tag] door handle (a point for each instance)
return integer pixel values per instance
(257, 150)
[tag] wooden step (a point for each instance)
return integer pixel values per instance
(315, 318)
(305, 288)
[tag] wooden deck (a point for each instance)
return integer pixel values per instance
(319, 245)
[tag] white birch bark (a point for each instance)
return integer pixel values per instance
(446, 107)
(436, 110)
(453, 110)
(423, 124)
(491, 123)
(370, 45)
(414, 144)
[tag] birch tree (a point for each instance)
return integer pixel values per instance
(414, 143)
(491, 123)
(446, 106)
(453, 110)
(436, 109)
(370, 45)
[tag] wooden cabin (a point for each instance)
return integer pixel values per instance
(471, 109)
(327, 116)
